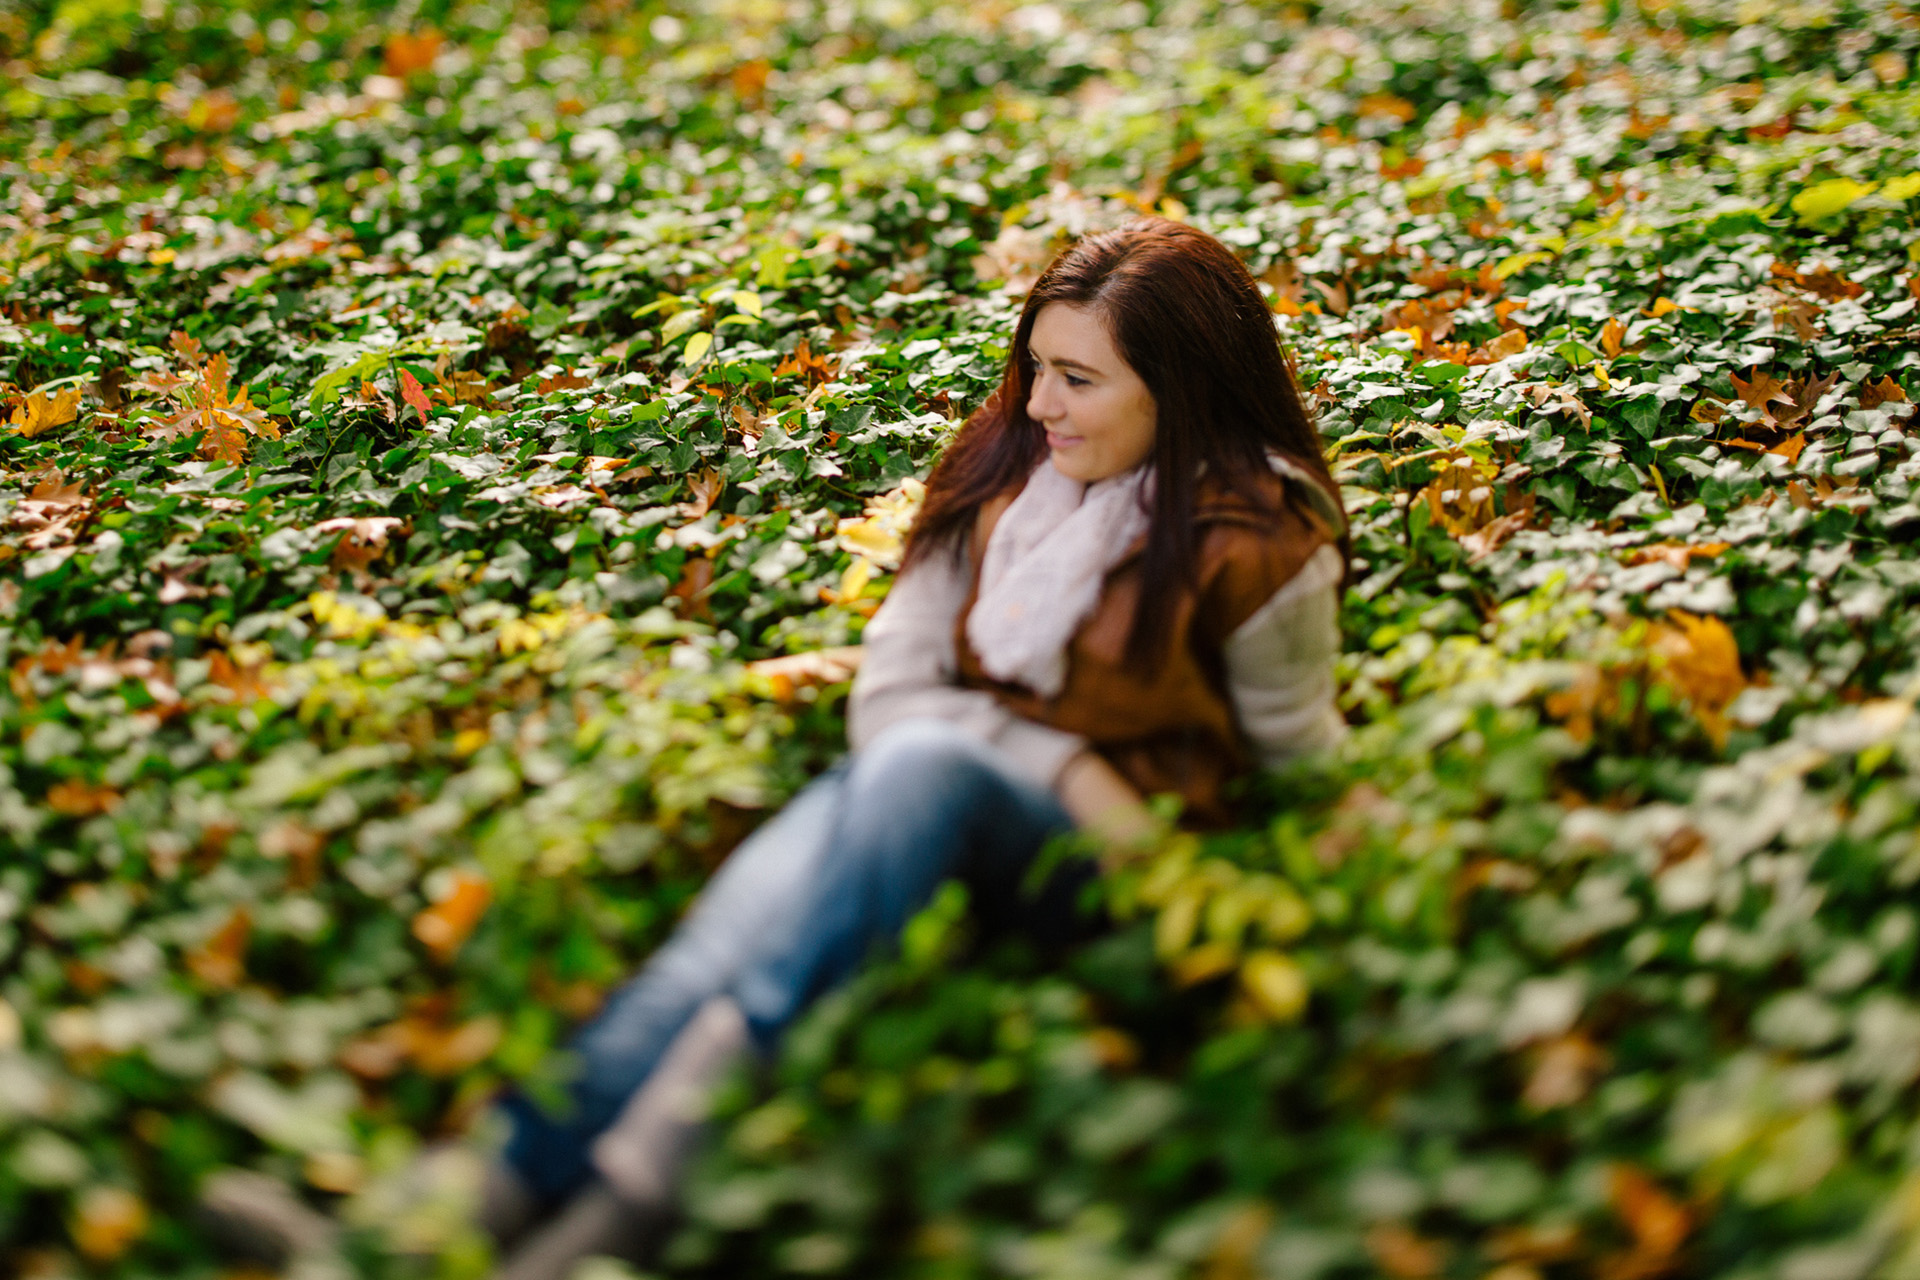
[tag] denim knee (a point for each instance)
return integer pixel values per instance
(919, 753)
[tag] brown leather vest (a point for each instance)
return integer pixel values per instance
(1171, 729)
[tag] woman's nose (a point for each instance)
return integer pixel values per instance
(1039, 399)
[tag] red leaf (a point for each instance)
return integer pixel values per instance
(414, 394)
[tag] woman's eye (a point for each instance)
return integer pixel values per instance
(1073, 381)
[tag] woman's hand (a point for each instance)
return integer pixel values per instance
(1106, 806)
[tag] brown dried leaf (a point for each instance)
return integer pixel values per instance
(1763, 390)
(1885, 391)
(691, 591)
(1485, 541)
(220, 961)
(568, 381)
(1510, 343)
(415, 395)
(107, 1221)
(705, 487)
(78, 798)
(1790, 447)
(1563, 1072)
(1403, 1254)
(363, 539)
(748, 80)
(1675, 553)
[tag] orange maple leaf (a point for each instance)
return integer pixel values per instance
(80, 799)
(748, 80)
(209, 405)
(408, 52)
(1658, 1223)
(1612, 337)
(1763, 390)
(1701, 664)
(444, 926)
(811, 368)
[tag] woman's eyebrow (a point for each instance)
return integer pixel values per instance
(1063, 362)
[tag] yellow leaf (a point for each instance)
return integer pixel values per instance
(680, 323)
(881, 535)
(107, 1221)
(748, 301)
(338, 1171)
(43, 411)
(1824, 199)
(872, 539)
(161, 257)
(1903, 188)
(697, 347)
(1205, 962)
(854, 581)
(1286, 915)
(1174, 928)
(1276, 984)
(1514, 264)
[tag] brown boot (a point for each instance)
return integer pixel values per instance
(630, 1210)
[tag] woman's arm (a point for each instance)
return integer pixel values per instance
(1105, 805)
(1280, 664)
(908, 672)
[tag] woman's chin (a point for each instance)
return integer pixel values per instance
(1071, 464)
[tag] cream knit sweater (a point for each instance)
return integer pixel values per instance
(1279, 665)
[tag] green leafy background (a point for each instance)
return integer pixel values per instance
(421, 421)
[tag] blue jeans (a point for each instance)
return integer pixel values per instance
(801, 903)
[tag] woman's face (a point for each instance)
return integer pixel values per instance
(1098, 414)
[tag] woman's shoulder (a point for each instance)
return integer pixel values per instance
(1253, 544)
(1285, 499)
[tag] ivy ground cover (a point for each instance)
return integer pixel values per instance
(448, 449)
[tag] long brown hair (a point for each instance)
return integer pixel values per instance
(1188, 318)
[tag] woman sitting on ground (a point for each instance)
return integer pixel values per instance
(1123, 583)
